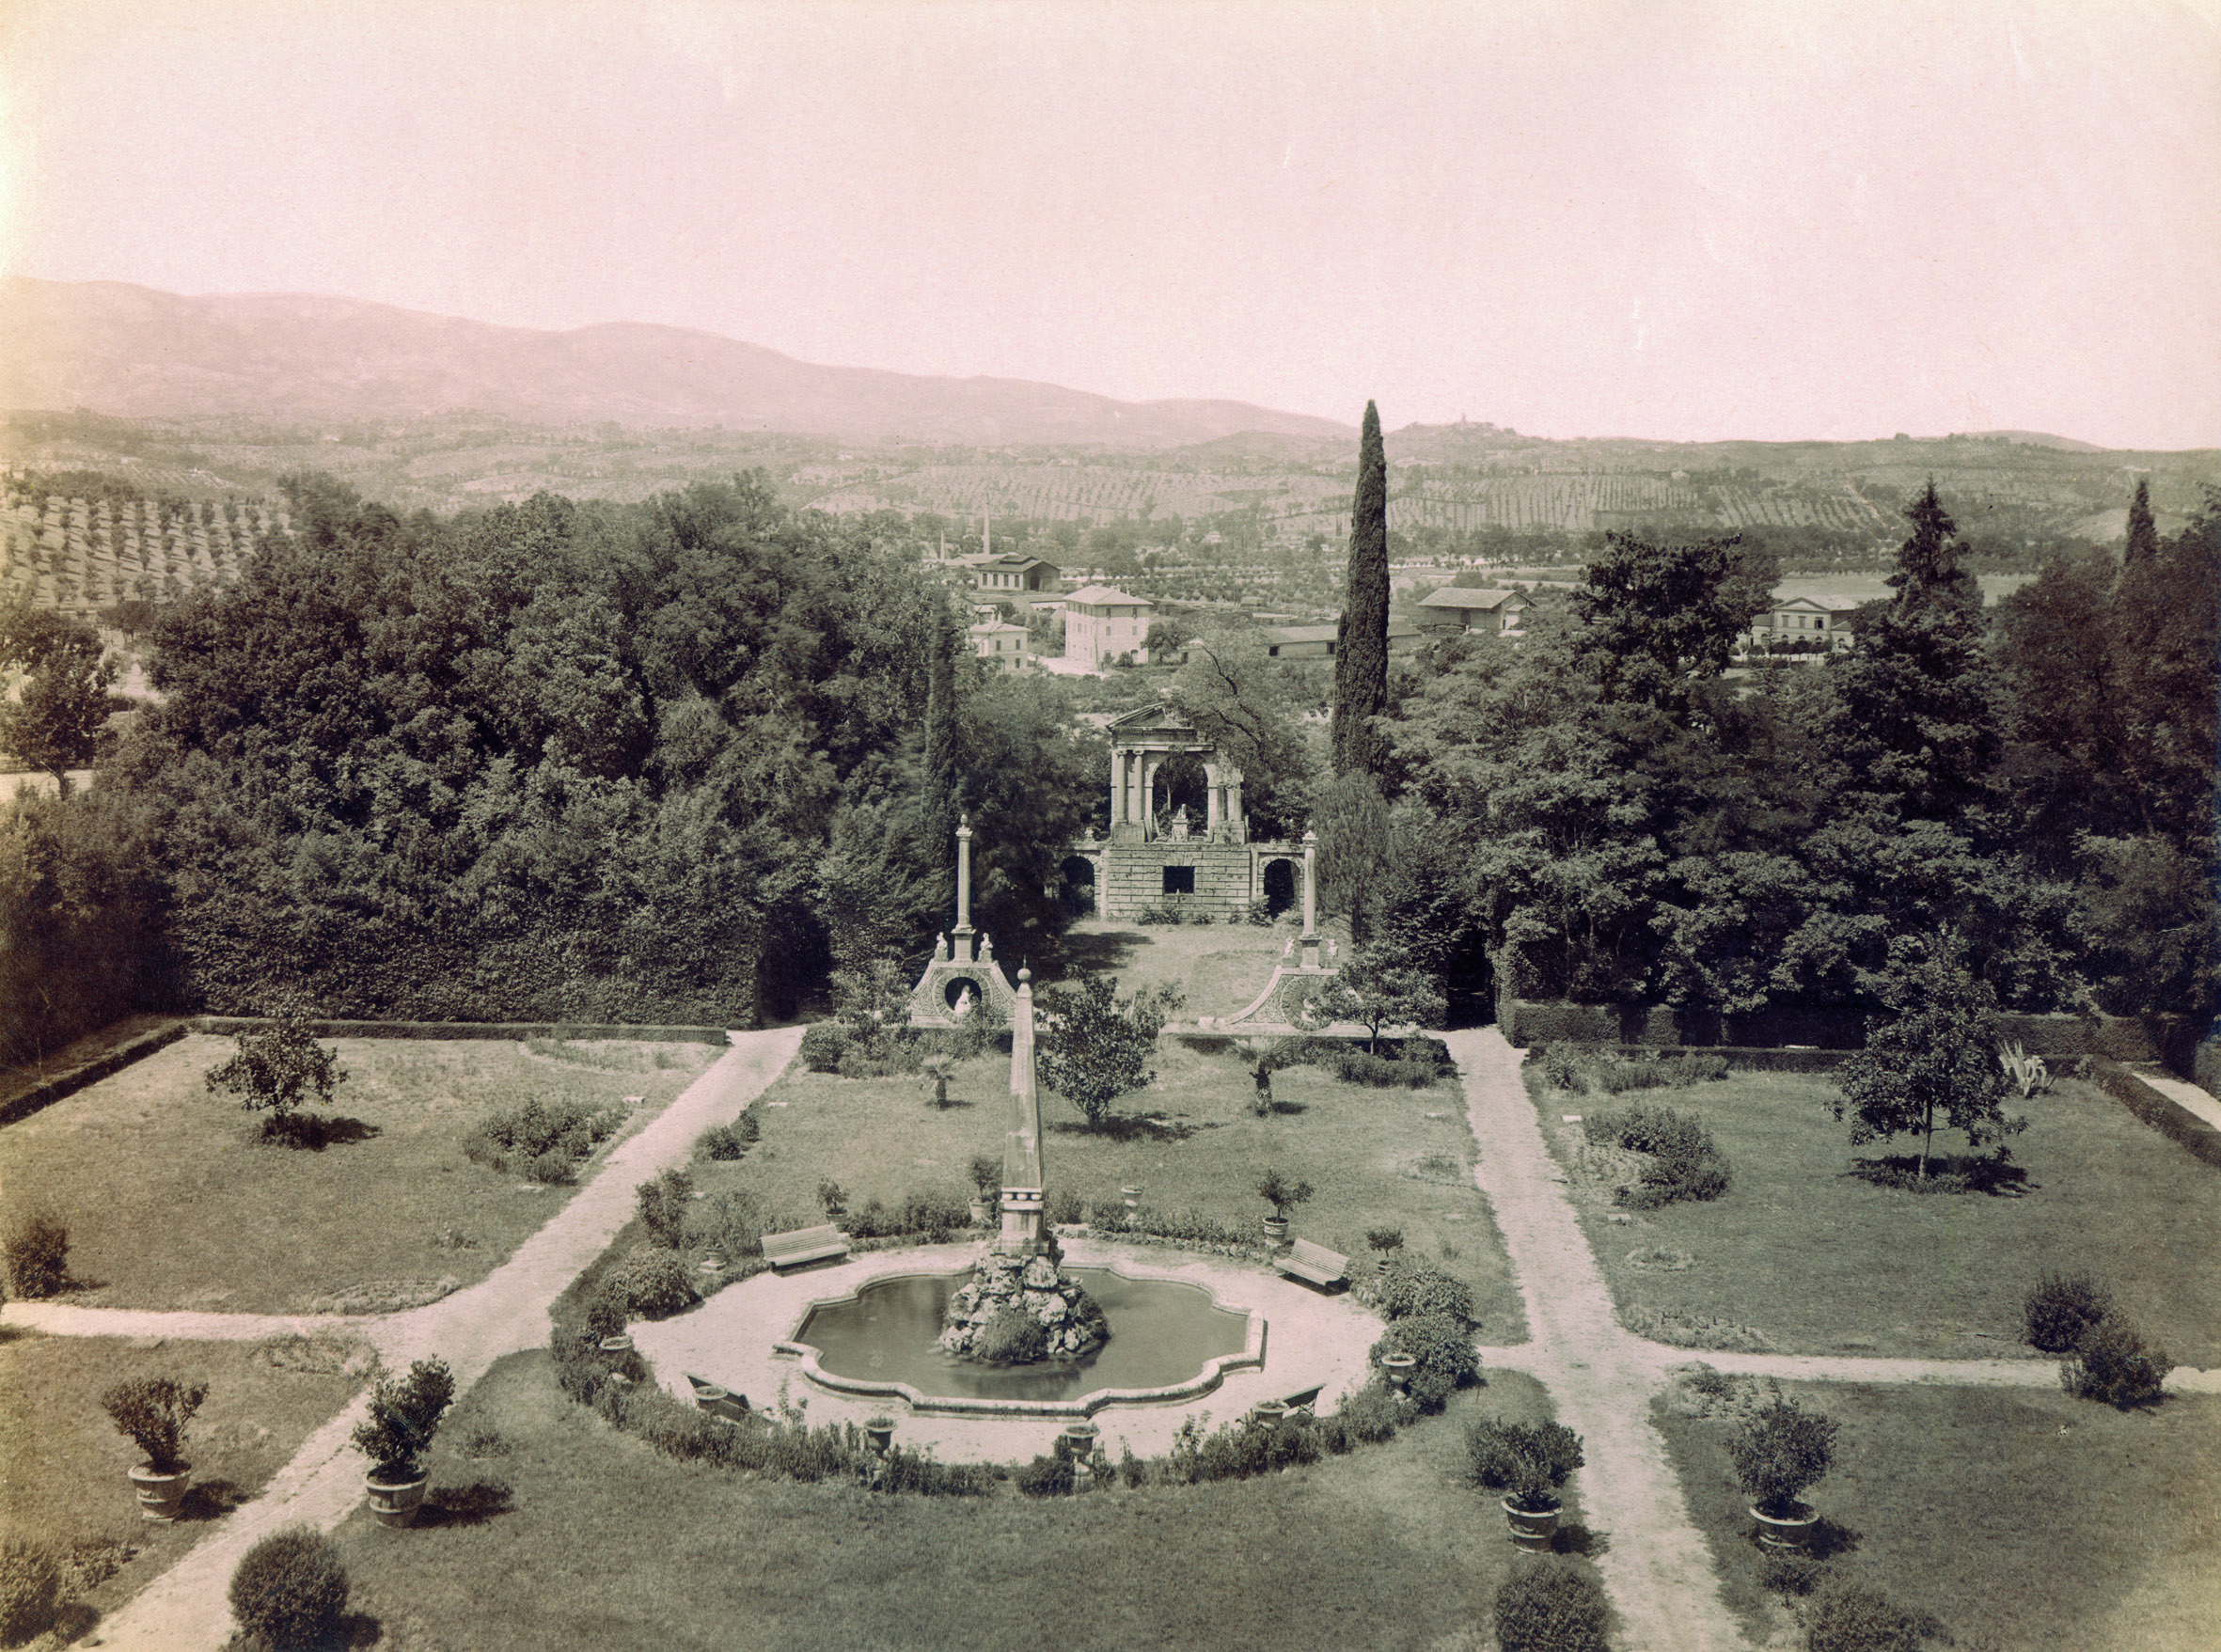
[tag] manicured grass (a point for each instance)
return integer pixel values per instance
(1220, 967)
(608, 1545)
(62, 1462)
(1376, 1158)
(2036, 1520)
(172, 1202)
(1820, 1260)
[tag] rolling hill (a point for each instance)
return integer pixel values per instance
(133, 352)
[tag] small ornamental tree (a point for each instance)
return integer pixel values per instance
(1933, 1055)
(1096, 1047)
(1528, 1462)
(1281, 1193)
(275, 1070)
(404, 1414)
(1781, 1451)
(153, 1411)
(1376, 990)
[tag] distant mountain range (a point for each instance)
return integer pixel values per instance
(132, 352)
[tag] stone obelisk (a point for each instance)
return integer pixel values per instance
(1022, 1192)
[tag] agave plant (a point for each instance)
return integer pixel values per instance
(2026, 1072)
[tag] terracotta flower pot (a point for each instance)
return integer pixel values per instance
(1793, 1532)
(160, 1495)
(395, 1502)
(1276, 1229)
(1529, 1530)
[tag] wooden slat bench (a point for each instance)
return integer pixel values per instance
(1315, 1263)
(804, 1246)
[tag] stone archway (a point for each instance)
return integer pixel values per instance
(1281, 886)
(1078, 885)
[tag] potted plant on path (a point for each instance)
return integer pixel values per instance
(405, 1413)
(153, 1411)
(1283, 1196)
(1779, 1453)
(1528, 1463)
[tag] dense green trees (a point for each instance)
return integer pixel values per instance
(54, 690)
(670, 762)
(1361, 640)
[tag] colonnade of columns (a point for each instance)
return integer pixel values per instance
(1133, 783)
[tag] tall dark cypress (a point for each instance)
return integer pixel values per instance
(1361, 642)
(941, 780)
(2143, 544)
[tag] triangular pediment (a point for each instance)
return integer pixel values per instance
(1152, 720)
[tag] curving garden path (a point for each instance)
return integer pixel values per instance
(185, 1610)
(1603, 1376)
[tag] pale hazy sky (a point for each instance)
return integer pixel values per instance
(1645, 217)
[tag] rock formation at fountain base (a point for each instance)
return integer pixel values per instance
(1019, 1309)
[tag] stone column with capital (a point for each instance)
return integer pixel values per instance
(963, 930)
(1150, 759)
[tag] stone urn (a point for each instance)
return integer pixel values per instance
(1269, 1411)
(1793, 1533)
(979, 1213)
(881, 1432)
(1531, 1528)
(395, 1502)
(160, 1495)
(1276, 1230)
(1397, 1368)
(617, 1345)
(708, 1396)
(1079, 1443)
(1132, 1198)
(710, 1268)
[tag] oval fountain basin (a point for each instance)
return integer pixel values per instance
(1164, 1335)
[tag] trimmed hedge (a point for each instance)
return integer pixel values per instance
(71, 1079)
(514, 1031)
(2161, 1113)
(1838, 1028)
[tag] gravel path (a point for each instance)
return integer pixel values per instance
(186, 1609)
(1655, 1562)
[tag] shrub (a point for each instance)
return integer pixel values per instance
(824, 1042)
(1684, 1162)
(1367, 1417)
(1066, 1207)
(1781, 1451)
(404, 1416)
(1548, 1608)
(725, 1143)
(987, 1175)
(1387, 1239)
(2115, 1364)
(553, 1169)
(1442, 1345)
(1846, 1617)
(1560, 1071)
(1012, 1337)
(1260, 912)
(1049, 1476)
(1415, 1287)
(30, 1588)
(38, 1256)
(1791, 1573)
(291, 1589)
(728, 1224)
(153, 1411)
(2061, 1309)
(1528, 1462)
(658, 1282)
(663, 1206)
(609, 1309)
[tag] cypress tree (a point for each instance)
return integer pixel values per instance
(1361, 640)
(2143, 544)
(941, 780)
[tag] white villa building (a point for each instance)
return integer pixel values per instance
(1101, 624)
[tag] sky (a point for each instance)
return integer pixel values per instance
(1676, 219)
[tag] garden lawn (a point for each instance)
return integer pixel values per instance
(172, 1202)
(62, 1462)
(610, 1546)
(1819, 1261)
(1222, 966)
(2026, 1516)
(1394, 1157)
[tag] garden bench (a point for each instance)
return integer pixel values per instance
(1315, 1263)
(804, 1246)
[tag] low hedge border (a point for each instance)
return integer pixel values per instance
(224, 1026)
(2122, 1038)
(2161, 1113)
(1739, 1058)
(68, 1082)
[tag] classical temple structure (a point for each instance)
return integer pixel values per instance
(1153, 852)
